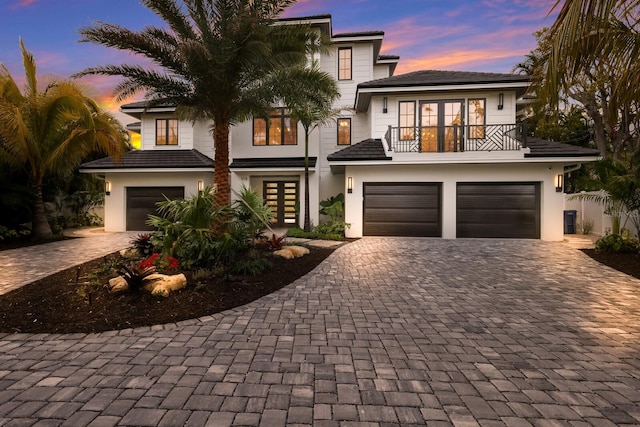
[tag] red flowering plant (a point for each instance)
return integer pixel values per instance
(166, 263)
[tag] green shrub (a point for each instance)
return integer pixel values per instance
(301, 234)
(251, 212)
(253, 263)
(617, 243)
(7, 234)
(333, 207)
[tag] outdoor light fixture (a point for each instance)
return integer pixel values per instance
(107, 187)
(559, 182)
(350, 184)
(384, 105)
(500, 101)
(200, 186)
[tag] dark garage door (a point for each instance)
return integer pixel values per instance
(402, 209)
(141, 202)
(501, 210)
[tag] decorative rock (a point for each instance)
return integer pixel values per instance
(290, 252)
(118, 284)
(162, 285)
(128, 253)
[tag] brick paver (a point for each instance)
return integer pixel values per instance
(386, 332)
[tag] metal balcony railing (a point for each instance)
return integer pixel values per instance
(456, 138)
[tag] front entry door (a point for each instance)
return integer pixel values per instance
(282, 198)
(441, 125)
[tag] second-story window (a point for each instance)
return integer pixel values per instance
(344, 131)
(407, 120)
(166, 132)
(282, 129)
(344, 63)
(476, 118)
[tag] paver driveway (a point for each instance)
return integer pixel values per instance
(385, 332)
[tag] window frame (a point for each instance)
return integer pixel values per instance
(400, 127)
(350, 49)
(167, 133)
(479, 130)
(343, 119)
(282, 115)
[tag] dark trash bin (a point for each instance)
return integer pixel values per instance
(570, 222)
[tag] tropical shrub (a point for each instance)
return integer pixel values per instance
(275, 242)
(333, 207)
(253, 264)
(617, 243)
(164, 263)
(7, 234)
(143, 244)
(186, 228)
(136, 275)
(251, 212)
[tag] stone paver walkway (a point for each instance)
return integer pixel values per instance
(26, 265)
(385, 332)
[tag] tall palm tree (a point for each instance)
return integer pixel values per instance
(309, 97)
(214, 62)
(50, 131)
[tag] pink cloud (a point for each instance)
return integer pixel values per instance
(455, 60)
(22, 3)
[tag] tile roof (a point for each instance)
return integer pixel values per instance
(153, 159)
(369, 149)
(359, 34)
(387, 57)
(437, 78)
(545, 148)
(272, 162)
(147, 104)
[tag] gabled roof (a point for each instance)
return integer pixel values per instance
(369, 149)
(153, 159)
(545, 148)
(438, 80)
(136, 109)
(272, 162)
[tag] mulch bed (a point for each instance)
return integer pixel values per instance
(66, 303)
(628, 263)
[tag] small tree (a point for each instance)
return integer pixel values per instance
(310, 99)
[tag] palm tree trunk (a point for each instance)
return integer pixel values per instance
(40, 228)
(307, 216)
(221, 164)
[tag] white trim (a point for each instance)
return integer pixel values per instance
(443, 87)
(275, 170)
(349, 39)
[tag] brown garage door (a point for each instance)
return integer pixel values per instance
(141, 202)
(402, 209)
(501, 210)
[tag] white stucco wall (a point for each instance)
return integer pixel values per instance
(115, 203)
(551, 203)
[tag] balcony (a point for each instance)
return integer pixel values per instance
(456, 138)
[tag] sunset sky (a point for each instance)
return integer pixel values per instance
(469, 35)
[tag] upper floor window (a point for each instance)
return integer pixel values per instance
(344, 131)
(282, 129)
(407, 120)
(344, 63)
(166, 132)
(476, 118)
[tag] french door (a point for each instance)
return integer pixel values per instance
(441, 125)
(282, 198)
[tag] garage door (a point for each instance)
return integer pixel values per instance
(141, 202)
(501, 210)
(402, 209)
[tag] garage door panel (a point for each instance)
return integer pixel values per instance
(406, 215)
(411, 202)
(507, 210)
(402, 209)
(142, 202)
(403, 229)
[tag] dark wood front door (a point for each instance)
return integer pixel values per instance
(282, 198)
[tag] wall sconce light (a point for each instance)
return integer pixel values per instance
(200, 186)
(350, 184)
(559, 182)
(500, 101)
(384, 105)
(107, 187)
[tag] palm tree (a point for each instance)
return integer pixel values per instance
(309, 97)
(50, 131)
(214, 62)
(586, 31)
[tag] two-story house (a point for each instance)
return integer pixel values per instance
(427, 153)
